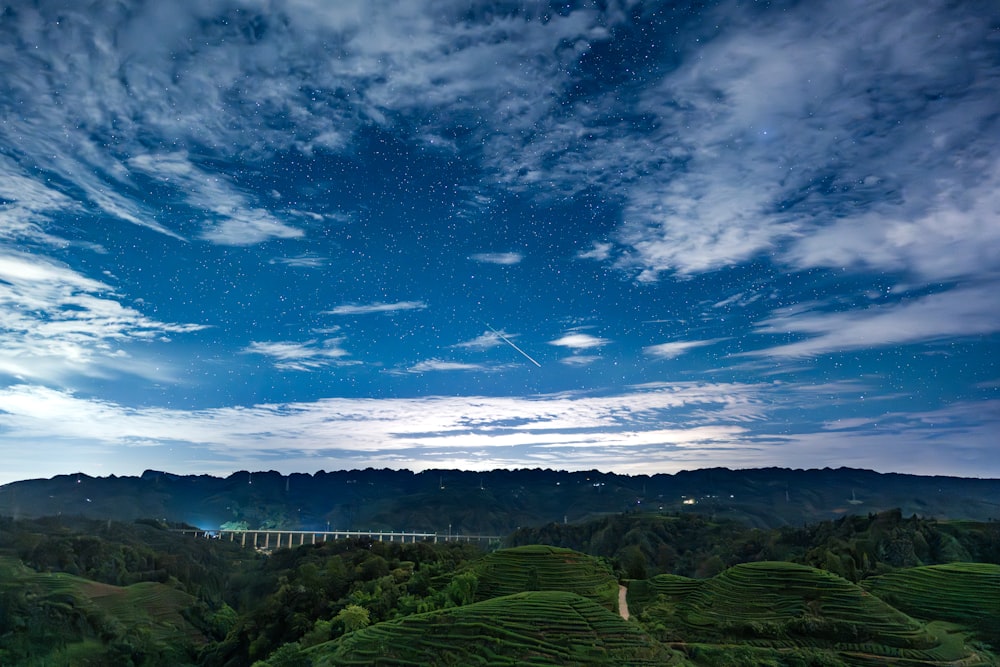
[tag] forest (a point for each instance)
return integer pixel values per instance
(862, 589)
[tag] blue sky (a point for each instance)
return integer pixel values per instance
(639, 237)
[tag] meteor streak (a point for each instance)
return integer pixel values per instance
(511, 343)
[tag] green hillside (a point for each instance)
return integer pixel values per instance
(966, 593)
(79, 592)
(544, 568)
(79, 621)
(787, 606)
(531, 628)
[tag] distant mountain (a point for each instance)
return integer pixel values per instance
(496, 502)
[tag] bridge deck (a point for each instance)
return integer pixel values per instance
(275, 539)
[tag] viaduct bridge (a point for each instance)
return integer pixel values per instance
(276, 539)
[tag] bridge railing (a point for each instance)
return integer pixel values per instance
(276, 539)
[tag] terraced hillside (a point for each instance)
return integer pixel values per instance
(966, 593)
(789, 606)
(148, 613)
(643, 592)
(530, 628)
(544, 568)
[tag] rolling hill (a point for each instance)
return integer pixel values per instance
(530, 628)
(788, 607)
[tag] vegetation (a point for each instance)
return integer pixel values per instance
(499, 501)
(862, 590)
(854, 547)
(795, 610)
(966, 593)
(537, 627)
(58, 618)
(544, 568)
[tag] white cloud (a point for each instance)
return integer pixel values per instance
(119, 78)
(579, 341)
(675, 349)
(366, 309)
(55, 322)
(945, 231)
(579, 360)
(598, 251)
(249, 227)
(485, 341)
(661, 427)
(742, 151)
(959, 438)
(308, 356)
(845, 161)
(957, 313)
(27, 205)
(301, 261)
(424, 430)
(31, 204)
(233, 219)
(503, 258)
(431, 365)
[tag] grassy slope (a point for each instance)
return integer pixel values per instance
(538, 627)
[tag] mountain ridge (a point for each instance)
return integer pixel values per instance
(498, 501)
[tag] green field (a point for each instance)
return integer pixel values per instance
(530, 628)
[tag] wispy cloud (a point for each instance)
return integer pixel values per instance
(730, 160)
(956, 313)
(262, 82)
(663, 428)
(233, 220)
(579, 360)
(959, 437)
(503, 258)
(30, 204)
(424, 431)
(432, 365)
(675, 349)
(308, 356)
(748, 153)
(598, 251)
(27, 203)
(366, 309)
(485, 341)
(301, 261)
(739, 299)
(943, 232)
(57, 323)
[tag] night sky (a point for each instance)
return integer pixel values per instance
(625, 236)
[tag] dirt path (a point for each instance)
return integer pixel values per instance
(622, 603)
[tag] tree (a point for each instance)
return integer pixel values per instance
(462, 589)
(288, 655)
(354, 618)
